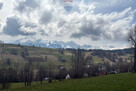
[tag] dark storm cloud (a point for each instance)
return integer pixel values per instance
(42, 32)
(1, 5)
(99, 29)
(46, 17)
(96, 32)
(13, 26)
(27, 5)
(61, 23)
(88, 30)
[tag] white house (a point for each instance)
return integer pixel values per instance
(68, 76)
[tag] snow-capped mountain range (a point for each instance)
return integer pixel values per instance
(50, 44)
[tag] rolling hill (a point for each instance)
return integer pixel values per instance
(61, 56)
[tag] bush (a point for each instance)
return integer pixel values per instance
(14, 52)
(8, 61)
(7, 76)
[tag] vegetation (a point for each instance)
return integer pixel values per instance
(30, 64)
(132, 39)
(117, 82)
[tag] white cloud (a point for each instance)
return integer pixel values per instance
(81, 22)
(1, 5)
(106, 26)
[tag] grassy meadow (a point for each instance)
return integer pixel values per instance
(115, 82)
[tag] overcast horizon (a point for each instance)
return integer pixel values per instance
(101, 23)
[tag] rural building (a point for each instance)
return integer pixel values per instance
(68, 76)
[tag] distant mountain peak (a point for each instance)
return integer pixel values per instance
(50, 44)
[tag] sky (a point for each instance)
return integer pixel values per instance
(101, 23)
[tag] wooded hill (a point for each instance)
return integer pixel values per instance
(15, 55)
(29, 63)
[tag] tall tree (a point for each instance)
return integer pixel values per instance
(41, 73)
(78, 63)
(132, 39)
(51, 66)
(26, 74)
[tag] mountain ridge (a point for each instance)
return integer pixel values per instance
(51, 44)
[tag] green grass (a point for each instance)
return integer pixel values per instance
(118, 82)
(96, 59)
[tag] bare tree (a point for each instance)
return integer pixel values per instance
(51, 66)
(78, 63)
(26, 74)
(7, 76)
(2, 51)
(61, 73)
(4, 80)
(132, 39)
(41, 74)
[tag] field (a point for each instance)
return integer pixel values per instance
(14, 54)
(115, 82)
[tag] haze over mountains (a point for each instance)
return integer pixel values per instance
(51, 44)
(29, 41)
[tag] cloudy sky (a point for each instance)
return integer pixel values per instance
(100, 23)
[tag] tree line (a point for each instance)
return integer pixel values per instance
(80, 65)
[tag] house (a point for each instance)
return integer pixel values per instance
(68, 76)
(46, 78)
(86, 75)
(102, 71)
(113, 72)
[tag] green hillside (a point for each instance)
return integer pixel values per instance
(15, 52)
(58, 56)
(117, 82)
